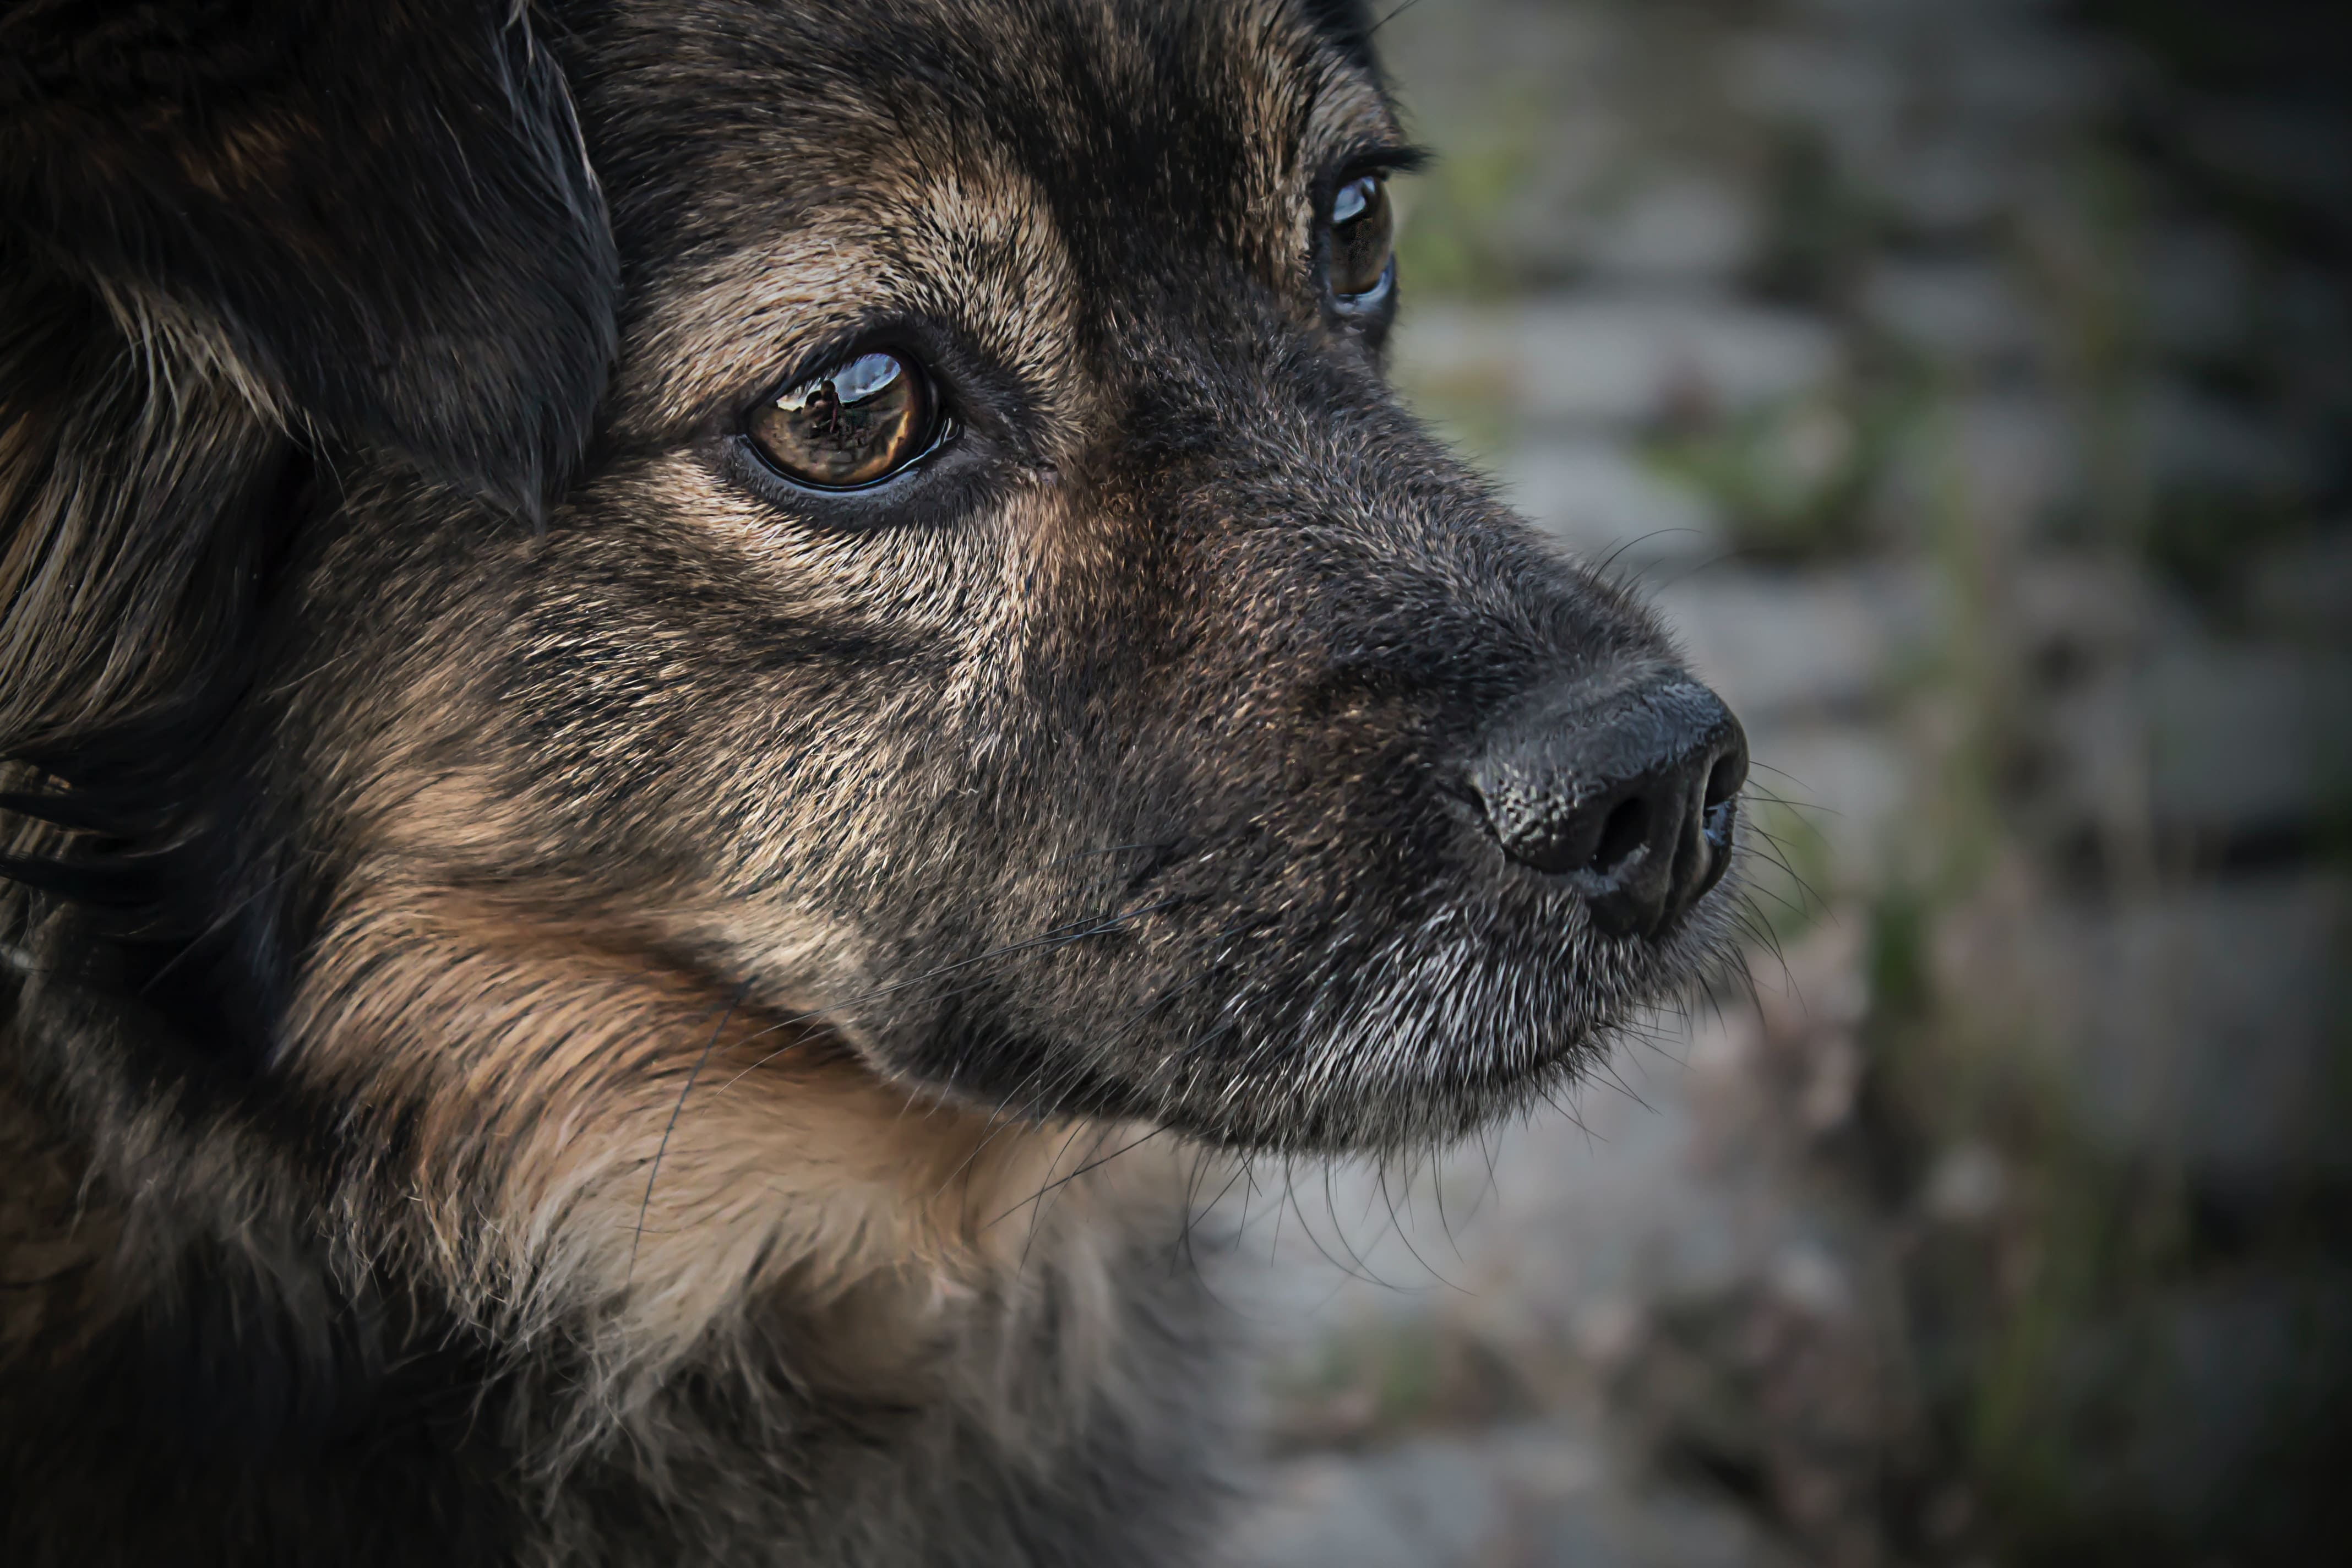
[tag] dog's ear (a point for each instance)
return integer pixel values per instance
(382, 212)
(237, 232)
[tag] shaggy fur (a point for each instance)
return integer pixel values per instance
(570, 1000)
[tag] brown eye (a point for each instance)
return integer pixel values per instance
(1362, 236)
(857, 423)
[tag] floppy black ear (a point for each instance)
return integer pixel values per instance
(244, 240)
(382, 211)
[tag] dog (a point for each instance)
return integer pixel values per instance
(703, 701)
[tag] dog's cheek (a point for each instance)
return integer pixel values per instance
(771, 709)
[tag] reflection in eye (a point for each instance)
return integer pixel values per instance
(1362, 236)
(858, 423)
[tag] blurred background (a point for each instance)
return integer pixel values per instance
(1969, 381)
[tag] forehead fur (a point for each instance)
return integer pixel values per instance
(789, 175)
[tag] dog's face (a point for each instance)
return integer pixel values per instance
(1005, 617)
(1005, 633)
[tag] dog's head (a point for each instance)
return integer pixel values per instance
(994, 623)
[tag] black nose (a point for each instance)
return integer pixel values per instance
(1627, 791)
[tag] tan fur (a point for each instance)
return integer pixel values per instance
(174, 342)
(1334, 108)
(928, 235)
(548, 1066)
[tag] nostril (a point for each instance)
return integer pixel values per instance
(1723, 780)
(1625, 829)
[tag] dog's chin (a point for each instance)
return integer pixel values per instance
(1272, 1114)
(1422, 1044)
(1450, 1040)
(1385, 1089)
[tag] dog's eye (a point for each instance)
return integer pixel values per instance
(858, 423)
(1361, 236)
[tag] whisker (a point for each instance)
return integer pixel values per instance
(1095, 1165)
(645, 1204)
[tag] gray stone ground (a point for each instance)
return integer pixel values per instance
(1967, 381)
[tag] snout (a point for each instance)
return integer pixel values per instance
(1627, 793)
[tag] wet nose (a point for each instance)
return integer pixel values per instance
(1627, 793)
